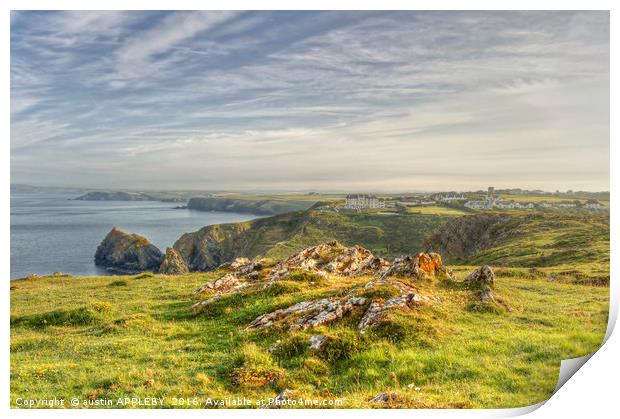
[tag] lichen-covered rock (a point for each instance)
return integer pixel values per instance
(310, 313)
(127, 253)
(224, 284)
(481, 282)
(173, 263)
(245, 271)
(239, 262)
(375, 312)
(317, 341)
(384, 397)
(333, 258)
(278, 400)
(421, 265)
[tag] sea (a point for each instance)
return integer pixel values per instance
(51, 232)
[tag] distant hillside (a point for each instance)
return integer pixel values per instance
(501, 239)
(282, 235)
(132, 196)
(115, 196)
(249, 206)
(525, 239)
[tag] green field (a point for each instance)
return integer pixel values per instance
(134, 336)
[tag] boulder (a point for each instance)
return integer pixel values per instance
(421, 265)
(481, 282)
(127, 253)
(173, 263)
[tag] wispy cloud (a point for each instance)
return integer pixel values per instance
(419, 100)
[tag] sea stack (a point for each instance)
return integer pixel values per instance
(127, 253)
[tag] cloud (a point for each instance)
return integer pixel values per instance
(326, 100)
(134, 58)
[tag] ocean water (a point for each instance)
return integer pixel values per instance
(50, 232)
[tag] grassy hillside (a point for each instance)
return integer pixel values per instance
(134, 336)
(282, 235)
(525, 239)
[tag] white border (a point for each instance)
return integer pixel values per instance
(592, 391)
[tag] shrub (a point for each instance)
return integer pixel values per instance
(144, 275)
(119, 283)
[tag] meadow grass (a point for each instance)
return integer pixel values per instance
(135, 336)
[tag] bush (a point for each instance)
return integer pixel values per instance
(119, 283)
(144, 275)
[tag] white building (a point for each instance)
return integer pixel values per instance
(356, 201)
(448, 197)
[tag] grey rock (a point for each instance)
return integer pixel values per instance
(127, 253)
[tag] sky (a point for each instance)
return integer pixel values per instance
(324, 101)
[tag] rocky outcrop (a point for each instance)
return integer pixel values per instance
(212, 246)
(327, 259)
(377, 310)
(127, 253)
(421, 265)
(173, 263)
(332, 258)
(310, 313)
(244, 274)
(481, 283)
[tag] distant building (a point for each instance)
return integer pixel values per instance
(450, 197)
(356, 201)
(593, 204)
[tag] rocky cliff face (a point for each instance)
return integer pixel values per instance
(212, 246)
(127, 253)
(173, 263)
(466, 236)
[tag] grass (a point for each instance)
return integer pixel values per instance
(125, 336)
(436, 210)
